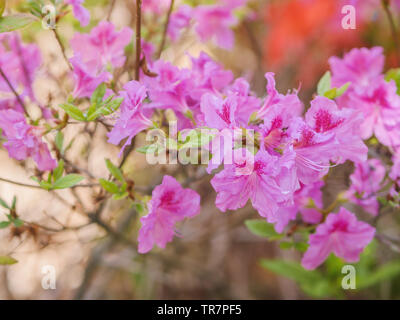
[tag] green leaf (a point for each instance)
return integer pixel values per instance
(98, 94)
(342, 89)
(301, 246)
(196, 139)
(290, 269)
(6, 260)
(4, 204)
(2, 6)
(109, 186)
(4, 224)
(59, 141)
(115, 171)
(120, 196)
(14, 22)
(58, 171)
(286, 245)
(67, 181)
(139, 207)
(45, 185)
(311, 282)
(105, 110)
(385, 272)
(73, 112)
(151, 148)
(394, 74)
(324, 84)
(18, 223)
(331, 93)
(263, 229)
(14, 203)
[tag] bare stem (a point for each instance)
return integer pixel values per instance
(386, 7)
(162, 44)
(3, 75)
(20, 184)
(138, 38)
(62, 49)
(111, 10)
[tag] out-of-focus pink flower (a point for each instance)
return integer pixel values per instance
(104, 45)
(170, 89)
(369, 93)
(395, 170)
(325, 117)
(214, 22)
(341, 234)
(19, 62)
(170, 203)
(86, 78)
(131, 119)
(179, 20)
(365, 183)
(23, 140)
(155, 6)
(268, 181)
(80, 12)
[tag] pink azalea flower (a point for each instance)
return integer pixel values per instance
(215, 22)
(380, 105)
(104, 45)
(325, 117)
(341, 234)
(369, 93)
(87, 79)
(170, 203)
(179, 20)
(365, 183)
(208, 76)
(291, 101)
(268, 181)
(247, 102)
(80, 12)
(313, 150)
(24, 141)
(219, 113)
(131, 119)
(273, 133)
(155, 6)
(19, 62)
(171, 90)
(361, 67)
(302, 198)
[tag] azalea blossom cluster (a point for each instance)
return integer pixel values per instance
(289, 147)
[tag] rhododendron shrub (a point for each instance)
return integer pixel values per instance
(272, 153)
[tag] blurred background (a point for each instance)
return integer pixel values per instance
(216, 257)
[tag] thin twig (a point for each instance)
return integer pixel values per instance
(3, 75)
(62, 48)
(90, 185)
(111, 10)
(20, 184)
(138, 38)
(386, 8)
(164, 37)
